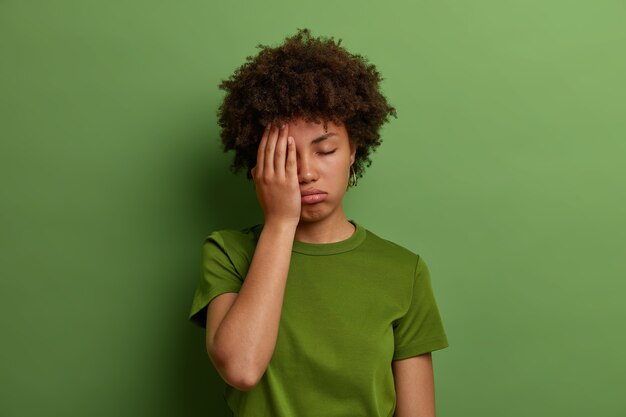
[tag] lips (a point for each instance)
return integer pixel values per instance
(311, 192)
(312, 196)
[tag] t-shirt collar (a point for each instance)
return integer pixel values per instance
(332, 248)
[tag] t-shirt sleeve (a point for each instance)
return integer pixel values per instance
(420, 330)
(219, 276)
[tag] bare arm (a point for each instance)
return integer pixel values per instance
(415, 387)
(244, 341)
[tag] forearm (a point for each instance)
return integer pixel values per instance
(415, 387)
(246, 338)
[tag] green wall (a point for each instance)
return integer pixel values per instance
(505, 169)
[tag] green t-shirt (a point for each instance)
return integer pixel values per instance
(349, 309)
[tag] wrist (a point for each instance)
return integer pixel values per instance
(280, 226)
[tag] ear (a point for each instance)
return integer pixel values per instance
(352, 153)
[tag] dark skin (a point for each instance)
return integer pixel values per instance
(284, 170)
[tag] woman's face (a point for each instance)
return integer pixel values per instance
(323, 158)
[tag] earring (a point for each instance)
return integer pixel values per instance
(352, 181)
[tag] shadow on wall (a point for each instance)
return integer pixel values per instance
(218, 200)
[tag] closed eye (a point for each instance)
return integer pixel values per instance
(329, 152)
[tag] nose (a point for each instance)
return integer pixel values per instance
(307, 171)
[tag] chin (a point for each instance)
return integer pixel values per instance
(313, 213)
(317, 212)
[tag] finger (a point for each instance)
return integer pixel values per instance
(281, 152)
(260, 155)
(290, 165)
(268, 167)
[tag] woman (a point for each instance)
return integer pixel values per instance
(310, 313)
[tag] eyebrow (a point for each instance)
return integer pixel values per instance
(323, 137)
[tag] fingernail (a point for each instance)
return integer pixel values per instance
(289, 140)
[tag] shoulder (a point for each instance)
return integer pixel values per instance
(235, 235)
(236, 243)
(390, 249)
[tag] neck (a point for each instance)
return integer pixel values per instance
(333, 228)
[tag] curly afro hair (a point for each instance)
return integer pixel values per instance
(314, 78)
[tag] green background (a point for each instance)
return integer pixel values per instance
(505, 169)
